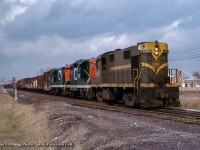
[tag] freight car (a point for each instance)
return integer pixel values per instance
(40, 83)
(137, 75)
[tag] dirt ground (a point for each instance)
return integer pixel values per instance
(85, 128)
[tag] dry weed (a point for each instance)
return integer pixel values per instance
(94, 141)
(19, 124)
(191, 104)
(190, 100)
(76, 135)
(112, 145)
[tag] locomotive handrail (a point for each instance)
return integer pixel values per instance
(173, 74)
(135, 78)
(139, 78)
(87, 82)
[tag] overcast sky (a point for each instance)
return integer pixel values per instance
(38, 34)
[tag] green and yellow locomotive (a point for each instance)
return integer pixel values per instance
(138, 75)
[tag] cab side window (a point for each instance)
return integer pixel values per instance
(103, 63)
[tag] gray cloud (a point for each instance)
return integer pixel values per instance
(80, 18)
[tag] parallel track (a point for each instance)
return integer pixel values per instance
(182, 112)
(176, 114)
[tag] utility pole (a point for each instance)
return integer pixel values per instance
(16, 91)
(15, 86)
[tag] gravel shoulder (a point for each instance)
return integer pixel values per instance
(87, 128)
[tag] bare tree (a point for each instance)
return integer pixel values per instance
(3, 80)
(42, 70)
(196, 74)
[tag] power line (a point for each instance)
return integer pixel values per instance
(184, 55)
(185, 52)
(193, 57)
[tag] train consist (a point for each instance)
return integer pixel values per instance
(137, 75)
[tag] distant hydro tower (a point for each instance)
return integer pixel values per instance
(188, 74)
(13, 79)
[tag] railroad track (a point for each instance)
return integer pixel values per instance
(182, 112)
(176, 114)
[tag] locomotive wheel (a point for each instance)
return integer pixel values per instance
(129, 99)
(82, 94)
(99, 96)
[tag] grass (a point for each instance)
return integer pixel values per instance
(76, 135)
(190, 104)
(190, 100)
(20, 124)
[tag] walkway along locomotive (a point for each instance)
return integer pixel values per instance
(137, 75)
